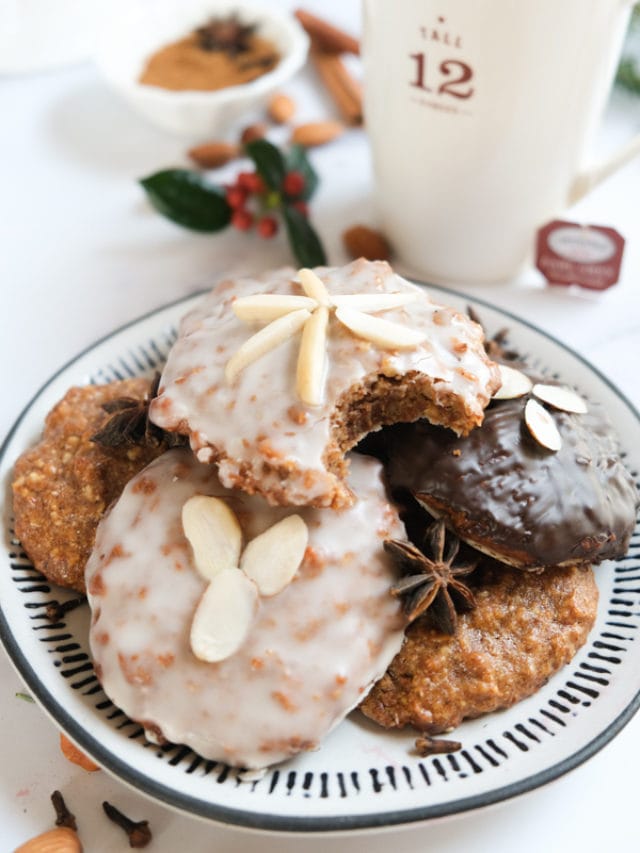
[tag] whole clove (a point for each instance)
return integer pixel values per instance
(426, 746)
(63, 816)
(54, 610)
(138, 832)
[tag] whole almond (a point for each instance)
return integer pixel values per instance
(223, 616)
(58, 840)
(212, 155)
(253, 132)
(214, 533)
(360, 241)
(316, 133)
(76, 756)
(281, 108)
(273, 558)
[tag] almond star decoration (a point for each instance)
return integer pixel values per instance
(311, 315)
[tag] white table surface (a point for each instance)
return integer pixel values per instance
(82, 253)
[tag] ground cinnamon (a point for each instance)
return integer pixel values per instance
(185, 64)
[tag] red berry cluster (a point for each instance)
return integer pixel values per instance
(250, 185)
(293, 186)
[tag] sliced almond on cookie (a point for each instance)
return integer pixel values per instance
(265, 340)
(223, 616)
(214, 534)
(312, 358)
(381, 332)
(374, 301)
(272, 558)
(515, 383)
(265, 307)
(560, 398)
(542, 426)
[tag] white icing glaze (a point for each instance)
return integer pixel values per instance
(257, 424)
(312, 653)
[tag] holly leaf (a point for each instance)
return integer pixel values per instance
(268, 161)
(628, 75)
(305, 243)
(185, 197)
(297, 161)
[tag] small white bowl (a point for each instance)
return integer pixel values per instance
(140, 29)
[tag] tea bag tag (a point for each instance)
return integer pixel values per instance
(589, 256)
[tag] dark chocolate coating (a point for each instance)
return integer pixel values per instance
(501, 491)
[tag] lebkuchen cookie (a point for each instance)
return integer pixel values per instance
(243, 630)
(540, 483)
(274, 378)
(525, 626)
(63, 485)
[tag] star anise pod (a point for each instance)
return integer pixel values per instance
(228, 35)
(129, 423)
(433, 581)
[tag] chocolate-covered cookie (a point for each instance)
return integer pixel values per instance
(506, 494)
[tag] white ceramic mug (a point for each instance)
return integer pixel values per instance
(480, 116)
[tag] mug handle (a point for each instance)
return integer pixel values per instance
(590, 178)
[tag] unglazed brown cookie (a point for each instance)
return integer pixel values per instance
(525, 627)
(254, 423)
(63, 485)
(504, 493)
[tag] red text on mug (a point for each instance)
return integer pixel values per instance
(434, 74)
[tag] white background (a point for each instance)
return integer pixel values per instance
(82, 254)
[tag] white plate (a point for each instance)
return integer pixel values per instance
(361, 776)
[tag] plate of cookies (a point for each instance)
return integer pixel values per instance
(325, 550)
